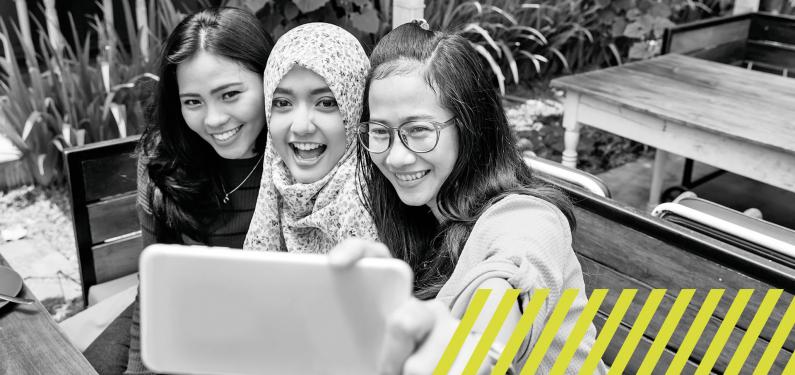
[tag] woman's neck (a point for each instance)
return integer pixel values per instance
(435, 210)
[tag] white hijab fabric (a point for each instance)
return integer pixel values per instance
(312, 218)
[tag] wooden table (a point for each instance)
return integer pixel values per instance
(732, 118)
(32, 343)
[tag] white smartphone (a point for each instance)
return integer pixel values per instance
(207, 310)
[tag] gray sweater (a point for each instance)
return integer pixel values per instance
(526, 241)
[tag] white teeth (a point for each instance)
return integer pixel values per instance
(306, 146)
(227, 134)
(410, 176)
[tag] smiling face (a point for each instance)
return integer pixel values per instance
(222, 102)
(417, 177)
(306, 126)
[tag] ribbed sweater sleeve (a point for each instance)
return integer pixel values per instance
(527, 242)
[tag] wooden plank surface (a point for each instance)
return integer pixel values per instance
(108, 176)
(639, 352)
(116, 259)
(32, 343)
(729, 53)
(113, 218)
(660, 265)
(688, 41)
(773, 55)
(600, 276)
(726, 100)
(779, 28)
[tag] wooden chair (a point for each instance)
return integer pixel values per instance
(620, 248)
(758, 41)
(102, 183)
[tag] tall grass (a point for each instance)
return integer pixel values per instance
(66, 96)
(533, 40)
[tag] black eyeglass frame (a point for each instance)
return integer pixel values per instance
(436, 125)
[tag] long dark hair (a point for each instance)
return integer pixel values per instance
(182, 167)
(488, 168)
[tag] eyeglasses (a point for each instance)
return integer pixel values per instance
(417, 136)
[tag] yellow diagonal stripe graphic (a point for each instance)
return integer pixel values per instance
(461, 333)
(725, 329)
(695, 331)
(666, 331)
(479, 354)
(774, 347)
(790, 365)
(636, 332)
(669, 326)
(607, 332)
(550, 331)
(521, 331)
(753, 331)
(576, 335)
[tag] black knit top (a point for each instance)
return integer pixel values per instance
(228, 230)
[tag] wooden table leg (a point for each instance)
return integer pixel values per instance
(572, 125)
(657, 177)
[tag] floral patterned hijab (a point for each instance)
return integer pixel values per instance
(312, 218)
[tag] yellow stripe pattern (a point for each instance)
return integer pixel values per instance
(537, 302)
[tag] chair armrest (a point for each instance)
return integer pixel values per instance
(733, 223)
(576, 177)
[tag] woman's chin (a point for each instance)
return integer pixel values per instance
(234, 152)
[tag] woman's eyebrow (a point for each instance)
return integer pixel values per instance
(417, 118)
(224, 87)
(321, 90)
(283, 91)
(213, 91)
(404, 120)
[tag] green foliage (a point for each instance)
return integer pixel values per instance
(495, 32)
(539, 40)
(63, 97)
(367, 19)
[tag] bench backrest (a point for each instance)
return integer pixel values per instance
(620, 248)
(102, 183)
(765, 41)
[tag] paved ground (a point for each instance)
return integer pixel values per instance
(630, 184)
(36, 238)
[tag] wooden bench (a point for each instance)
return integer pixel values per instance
(759, 41)
(620, 248)
(102, 184)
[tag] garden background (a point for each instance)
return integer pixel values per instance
(78, 72)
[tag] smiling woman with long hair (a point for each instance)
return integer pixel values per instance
(200, 159)
(451, 195)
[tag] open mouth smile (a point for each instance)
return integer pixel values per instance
(307, 151)
(227, 135)
(412, 176)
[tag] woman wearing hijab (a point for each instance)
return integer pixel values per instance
(309, 197)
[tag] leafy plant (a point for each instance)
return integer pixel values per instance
(494, 31)
(367, 19)
(539, 40)
(64, 97)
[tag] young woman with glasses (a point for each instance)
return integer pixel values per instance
(451, 195)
